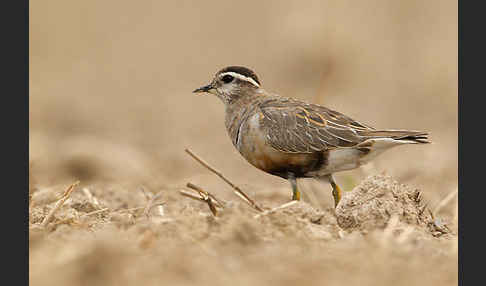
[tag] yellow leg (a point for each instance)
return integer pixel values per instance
(295, 190)
(336, 191)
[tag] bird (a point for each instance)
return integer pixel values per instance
(293, 139)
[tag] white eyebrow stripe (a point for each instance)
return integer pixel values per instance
(242, 77)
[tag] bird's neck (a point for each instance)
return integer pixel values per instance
(238, 110)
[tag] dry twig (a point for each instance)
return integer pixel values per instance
(200, 190)
(238, 191)
(204, 196)
(445, 201)
(191, 195)
(59, 203)
(286, 205)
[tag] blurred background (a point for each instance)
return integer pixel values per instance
(111, 83)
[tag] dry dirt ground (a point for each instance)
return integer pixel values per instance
(111, 106)
(380, 234)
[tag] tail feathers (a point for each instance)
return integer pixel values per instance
(401, 135)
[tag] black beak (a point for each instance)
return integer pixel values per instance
(205, 88)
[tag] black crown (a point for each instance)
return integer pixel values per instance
(241, 70)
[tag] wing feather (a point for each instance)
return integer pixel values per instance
(293, 126)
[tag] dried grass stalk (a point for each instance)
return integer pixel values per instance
(199, 189)
(238, 191)
(286, 205)
(445, 200)
(191, 195)
(59, 203)
(204, 196)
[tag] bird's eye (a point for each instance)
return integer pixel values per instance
(227, 78)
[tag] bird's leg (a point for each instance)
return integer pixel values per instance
(336, 191)
(295, 191)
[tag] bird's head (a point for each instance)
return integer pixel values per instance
(231, 83)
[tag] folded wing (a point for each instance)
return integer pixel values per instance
(296, 127)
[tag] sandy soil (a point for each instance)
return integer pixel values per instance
(380, 234)
(111, 106)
